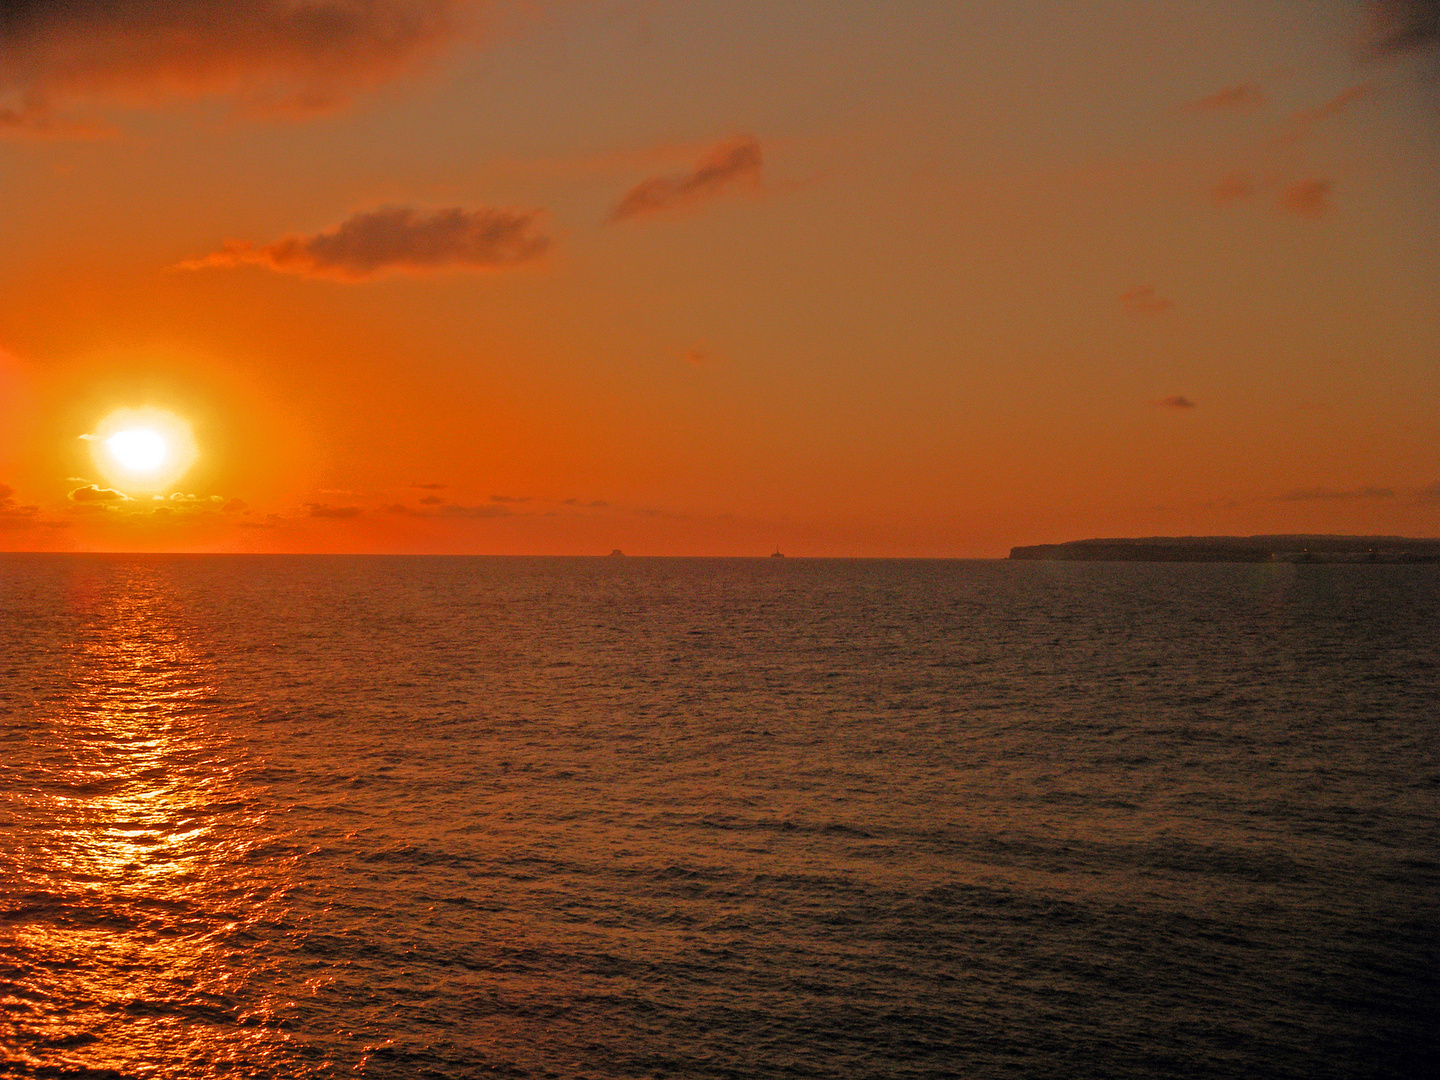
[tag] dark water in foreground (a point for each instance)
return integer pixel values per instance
(388, 817)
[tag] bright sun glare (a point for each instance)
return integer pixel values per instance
(138, 449)
(143, 450)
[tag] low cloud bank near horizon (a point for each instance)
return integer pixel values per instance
(735, 161)
(266, 56)
(394, 239)
(17, 515)
(336, 513)
(128, 511)
(439, 508)
(1326, 494)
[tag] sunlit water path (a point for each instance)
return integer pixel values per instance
(621, 818)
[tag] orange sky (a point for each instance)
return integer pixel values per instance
(709, 277)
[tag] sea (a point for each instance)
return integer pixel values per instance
(432, 817)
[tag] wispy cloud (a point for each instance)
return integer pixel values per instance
(1243, 97)
(733, 162)
(395, 239)
(1175, 401)
(1305, 124)
(1338, 105)
(32, 117)
(1230, 188)
(266, 56)
(1144, 300)
(1309, 198)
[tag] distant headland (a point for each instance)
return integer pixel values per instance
(1283, 548)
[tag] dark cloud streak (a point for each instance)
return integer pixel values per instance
(267, 56)
(735, 161)
(1405, 26)
(394, 239)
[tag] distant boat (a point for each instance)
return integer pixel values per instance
(777, 554)
(617, 554)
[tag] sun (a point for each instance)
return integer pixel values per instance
(143, 450)
(138, 449)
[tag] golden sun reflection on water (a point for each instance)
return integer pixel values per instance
(141, 889)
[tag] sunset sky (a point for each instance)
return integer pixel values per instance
(715, 276)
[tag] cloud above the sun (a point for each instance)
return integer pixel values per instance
(735, 162)
(395, 239)
(266, 57)
(1406, 26)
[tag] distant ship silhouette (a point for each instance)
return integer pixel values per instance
(777, 554)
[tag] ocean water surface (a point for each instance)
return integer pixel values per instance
(449, 817)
